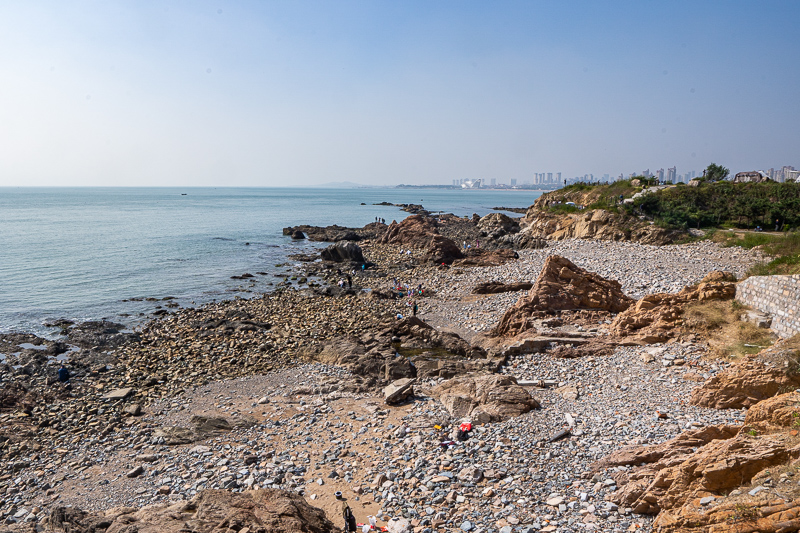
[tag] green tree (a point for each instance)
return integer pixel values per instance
(716, 172)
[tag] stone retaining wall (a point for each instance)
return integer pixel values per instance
(777, 295)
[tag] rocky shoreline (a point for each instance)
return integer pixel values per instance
(285, 392)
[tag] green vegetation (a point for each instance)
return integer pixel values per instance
(591, 196)
(784, 249)
(716, 172)
(563, 208)
(742, 205)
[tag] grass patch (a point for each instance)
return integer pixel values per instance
(563, 208)
(718, 321)
(783, 248)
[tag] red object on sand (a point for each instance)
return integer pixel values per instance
(465, 427)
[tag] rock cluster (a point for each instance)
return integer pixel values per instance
(562, 286)
(260, 511)
(595, 224)
(418, 231)
(484, 398)
(655, 317)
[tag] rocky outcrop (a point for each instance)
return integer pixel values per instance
(745, 385)
(441, 250)
(562, 286)
(656, 317)
(343, 252)
(430, 353)
(100, 334)
(497, 287)
(260, 511)
(671, 474)
(414, 328)
(678, 479)
(415, 231)
(496, 225)
(335, 233)
(419, 231)
(781, 411)
(594, 224)
(484, 398)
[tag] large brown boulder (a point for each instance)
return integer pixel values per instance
(562, 286)
(260, 511)
(415, 231)
(484, 398)
(744, 385)
(655, 317)
(441, 250)
(418, 231)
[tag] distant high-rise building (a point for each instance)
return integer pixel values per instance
(660, 174)
(558, 177)
(672, 174)
(493, 181)
(513, 182)
(549, 177)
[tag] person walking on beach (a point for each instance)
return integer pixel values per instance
(415, 309)
(349, 281)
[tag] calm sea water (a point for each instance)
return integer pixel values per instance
(77, 253)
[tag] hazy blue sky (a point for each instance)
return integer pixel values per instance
(287, 93)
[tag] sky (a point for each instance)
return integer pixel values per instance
(303, 93)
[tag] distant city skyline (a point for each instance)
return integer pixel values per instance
(305, 93)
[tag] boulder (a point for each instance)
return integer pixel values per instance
(484, 398)
(562, 286)
(343, 252)
(398, 391)
(415, 231)
(744, 385)
(498, 224)
(441, 250)
(118, 394)
(263, 510)
(298, 235)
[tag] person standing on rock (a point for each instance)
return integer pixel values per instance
(349, 281)
(415, 309)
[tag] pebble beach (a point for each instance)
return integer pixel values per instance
(301, 428)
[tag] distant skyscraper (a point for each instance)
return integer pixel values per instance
(558, 177)
(513, 182)
(660, 174)
(549, 177)
(672, 174)
(494, 182)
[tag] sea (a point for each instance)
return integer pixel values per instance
(117, 253)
